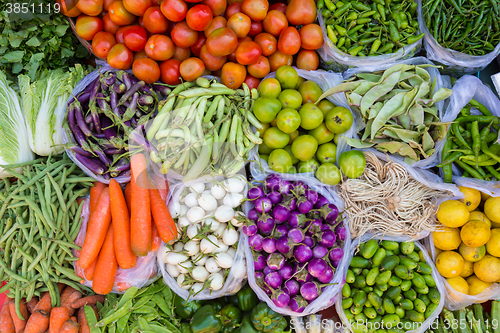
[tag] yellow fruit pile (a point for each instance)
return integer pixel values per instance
(468, 243)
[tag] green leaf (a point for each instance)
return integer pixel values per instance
(357, 143)
(14, 56)
(33, 41)
(61, 30)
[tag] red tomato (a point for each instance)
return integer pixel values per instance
(267, 42)
(232, 9)
(194, 1)
(240, 24)
(146, 69)
(181, 54)
(279, 6)
(90, 7)
(275, 22)
(191, 69)
(252, 82)
(195, 49)
(102, 43)
(308, 60)
(119, 35)
(140, 22)
(199, 17)
(174, 10)
(301, 12)
(248, 52)
(170, 73)
(233, 75)
(256, 9)
(119, 15)
(120, 57)
(217, 22)
(289, 41)
(260, 68)
(109, 26)
(106, 5)
(137, 7)
(140, 54)
(222, 42)
(88, 26)
(135, 37)
(311, 37)
(159, 47)
(183, 36)
(255, 29)
(232, 56)
(211, 63)
(69, 8)
(154, 21)
(278, 59)
(218, 7)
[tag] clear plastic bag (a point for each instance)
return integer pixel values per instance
(441, 82)
(335, 60)
(326, 81)
(454, 62)
(331, 292)
(143, 274)
(439, 285)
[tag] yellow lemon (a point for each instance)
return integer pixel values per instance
(493, 245)
(459, 284)
(468, 269)
(492, 209)
(485, 196)
(472, 254)
(488, 269)
(495, 225)
(479, 216)
(475, 233)
(446, 238)
(449, 264)
(438, 251)
(453, 213)
(472, 197)
(476, 286)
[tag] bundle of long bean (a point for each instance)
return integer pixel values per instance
(470, 27)
(469, 136)
(370, 27)
(39, 219)
(204, 127)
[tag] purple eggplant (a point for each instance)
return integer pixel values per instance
(327, 238)
(309, 241)
(317, 267)
(119, 88)
(329, 212)
(297, 219)
(113, 102)
(107, 127)
(304, 206)
(269, 245)
(255, 242)
(291, 203)
(299, 187)
(113, 151)
(273, 279)
(265, 224)
(280, 298)
(253, 214)
(129, 114)
(272, 182)
(146, 100)
(88, 119)
(140, 139)
(263, 205)
(80, 150)
(298, 304)
(259, 261)
(335, 263)
(108, 79)
(275, 261)
(310, 291)
(341, 233)
(100, 154)
(267, 269)
(284, 245)
(292, 287)
(280, 230)
(319, 251)
(321, 201)
(162, 89)
(80, 121)
(259, 278)
(84, 97)
(286, 271)
(250, 229)
(255, 192)
(124, 76)
(77, 132)
(296, 235)
(123, 164)
(302, 275)
(312, 196)
(313, 226)
(98, 135)
(275, 197)
(93, 165)
(302, 253)
(327, 275)
(281, 213)
(130, 92)
(285, 187)
(336, 254)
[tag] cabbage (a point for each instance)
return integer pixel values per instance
(14, 146)
(44, 104)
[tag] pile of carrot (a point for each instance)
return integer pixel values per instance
(38, 316)
(122, 226)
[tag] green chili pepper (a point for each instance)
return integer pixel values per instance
(395, 36)
(331, 34)
(369, 13)
(447, 168)
(341, 42)
(363, 20)
(355, 50)
(381, 11)
(376, 44)
(470, 170)
(476, 140)
(494, 172)
(342, 31)
(330, 5)
(360, 6)
(458, 135)
(386, 48)
(340, 11)
(352, 16)
(320, 4)
(413, 39)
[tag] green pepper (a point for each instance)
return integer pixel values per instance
(217, 305)
(185, 309)
(246, 326)
(245, 299)
(264, 319)
(282, 325)
(205, 320)
(230, 317)
(185, 328)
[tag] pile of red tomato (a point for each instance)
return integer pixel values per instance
(174, 39)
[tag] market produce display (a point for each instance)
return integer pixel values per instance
(398, 109)
(370, 28)
(467, 244)
(389, 283)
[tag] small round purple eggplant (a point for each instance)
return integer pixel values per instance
(317, 267)
(319, 251)
(327, 275)
(312, 196)
(309, 241)
(280, 298)
(267, 269)
(296, 235)
(250, 229)
(273, 279)
(299, 187)
(302, 275)
(255, 192)
(284, 245)
(304, 206)
(329, 212)
(313, 226)
(341, 233)
(263, 205)
(259, 278)
(285, 187)
(321, 201)
(298, 304)
(265, 224)
(326, 227)
(286, 271)
(255, 242)
(291, 203)
(269, 245)
(336, 254)
(327, 238)
(280, 230)
(335, 263)
(272, 182)
(297, 219)
(275, 261)
(275, 197)
(281, 213)
(259, 261)
(302, 253)
(292, 287)
(253, 214)
(310, 291)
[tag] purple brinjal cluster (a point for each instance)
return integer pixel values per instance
(296, 240)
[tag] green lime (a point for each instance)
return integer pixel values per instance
(310, 91)
(263, 149)
(322, 134)
(308, 166)
(352, 163)
(280, 161)
(339, 120)
(304, 147)
(311, 116)
(326, 106)
(299, 82)
(288, 120)
(274, 138)
(288, 149)
(266, 108)
(290, 98)
(269, 87)
(287, 76)
(329, 174)
(327, 152)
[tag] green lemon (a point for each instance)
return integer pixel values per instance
(292, 170)
(322, 134)
(327, 153)
(269, 87)
(304, 147)
(288, 120)
(339, 120)
(294, 135)
(288, 149)
(352, 163)
(336, 139)
(280, 161)
(299, 82)
(290, 98)
(308, 166)
(265, 158)
(263, 149)
(310, 91)
(326, 106)
(261, 131)
(266, 108)
(287, 76)
(311, 116)
(274, 138)
(329, 174)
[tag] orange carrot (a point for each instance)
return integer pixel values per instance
(128, 194)
(74, 319)
(82, 319)
(45, 303)
(161, 184)
(122, 286)
(19, 324)
(155, 237)
(89, 271)
(106, 267)
(121, 226)
(95, 192)
(96, 232)
(69, 326)
(87, 301)
(161, 215)
(6, 322)
(58, 317)
(140, 220)
(66, 294)
(38, 322)
(31, 304)
(75, 296)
